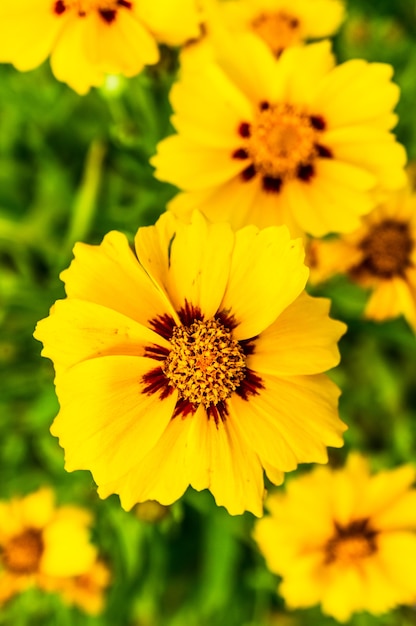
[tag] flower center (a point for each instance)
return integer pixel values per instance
(351, 543)
(106, 8)
(22, 553)
(205, 363)
(282, 139)
(387, 249)
(278, 30)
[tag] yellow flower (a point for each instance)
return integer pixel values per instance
(344, 539)
(283, 23)
(86, 590)
(39, 541)
(88, 39)
(198, 362)
(292, 140)
(380, 256)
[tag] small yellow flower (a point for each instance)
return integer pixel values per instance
(291, 141)
(39, 541)
(86, 591)
(380, 256)
(197, 362)
(87, 39)
(344, 539)
(283, 23)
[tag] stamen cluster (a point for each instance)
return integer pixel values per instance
(206, 364)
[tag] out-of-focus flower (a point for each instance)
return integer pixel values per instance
(283, 23)
(197, 362)
(151, 511)
(87, 39)
(291, 141)
(40, 541)
(344, 539)
(380, 256)
(86, 591)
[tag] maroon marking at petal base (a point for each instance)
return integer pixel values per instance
(156, 352)
(227, 320)
(244, 129)
(323, 152)
(156, 381)
(163, 325)
(59, 7)
(217, 412)
(248, 346)
(272, 184)
(248, 173)
(184, 408)
(305, 172)
(124, 3)
(317, 122)
(240, 153)
(263, 106)
(108, 15)
(250, 385)
(190, 314)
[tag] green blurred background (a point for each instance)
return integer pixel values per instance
(72, 169)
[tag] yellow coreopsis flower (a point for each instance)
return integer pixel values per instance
(87, 39)
(40, 542)
(86, 591)
(197, 362)
(355, 551)
(283, 23)
(293, 140)
(380, 256)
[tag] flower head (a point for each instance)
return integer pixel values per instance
(380, 256)
(88, 39)
(40, 542)
(357, 549)
(291, 141)
(197, 362)
(283, 23)
(86, 591)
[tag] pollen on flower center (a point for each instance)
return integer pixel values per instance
(205, 363)
(22, 553)
(282, 139)
(278, 30)
(351, 543)
(387, 249)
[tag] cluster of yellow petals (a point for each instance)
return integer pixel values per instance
(49, 547)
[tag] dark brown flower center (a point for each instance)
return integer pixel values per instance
(281, 143)
(387, 249)
(352, 543)
(205, 363)
(22, 554)
(279, 30)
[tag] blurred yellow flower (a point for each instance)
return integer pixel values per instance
(86, 591)
(291, 141)
(198, 362)
(87, 39)
(344, 539)
(380, 256)
(40, 541)
(283, 23)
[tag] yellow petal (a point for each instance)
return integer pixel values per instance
(110, 275)
(191, 261)
(78, 330)
(303, 340)
(267, 267)
(107, 421)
